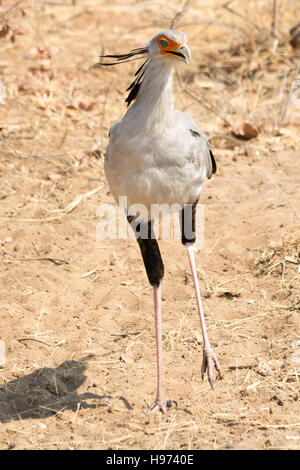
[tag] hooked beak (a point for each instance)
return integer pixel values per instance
(182, 53)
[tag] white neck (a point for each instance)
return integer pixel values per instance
(154, 101)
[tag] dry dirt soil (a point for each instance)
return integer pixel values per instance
(77, 321)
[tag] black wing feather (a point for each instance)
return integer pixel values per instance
(213, 161)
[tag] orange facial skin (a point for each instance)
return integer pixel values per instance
(172, 45)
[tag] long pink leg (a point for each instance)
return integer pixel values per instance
(209, 358)
(160, 403)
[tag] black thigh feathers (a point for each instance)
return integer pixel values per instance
(149, 249)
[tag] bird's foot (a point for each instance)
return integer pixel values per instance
(210, 362)
(160, 405)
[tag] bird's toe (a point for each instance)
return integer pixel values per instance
(159, 405)
(209, 363)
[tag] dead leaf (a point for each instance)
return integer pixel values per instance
(245, 130)
(42, 52)
(129, 283)
(33, 53)
(27, 86)
(229, 295)
(80, 155)
(127, 358)
(54, 176)
(17, 29)
(295, 36)
(42, 72)
(72, 112)
(253, 66)
(4, 29)
(86, 107)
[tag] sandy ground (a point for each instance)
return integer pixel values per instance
(76, 312)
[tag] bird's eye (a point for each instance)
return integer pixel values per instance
(164, 43)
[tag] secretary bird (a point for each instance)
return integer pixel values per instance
(158, 155)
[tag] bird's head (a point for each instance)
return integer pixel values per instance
(170, 44)
(167, 47)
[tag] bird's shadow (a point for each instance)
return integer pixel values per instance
(47, 391)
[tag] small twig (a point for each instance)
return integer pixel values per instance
(180, 12)
(239, 15)
(231, 138)
(286, 99)
(56, 261)
(85, 117)
(242, 366)
(10, 9)
(203, 101)
(126, 403)
(224, 74)
(287, 200)
(72, 17)
(273, 27)
(61, 212)
(33, 339)
(282, 270)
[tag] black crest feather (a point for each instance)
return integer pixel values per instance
(135, 86)
(135, 54)
(121, 58)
